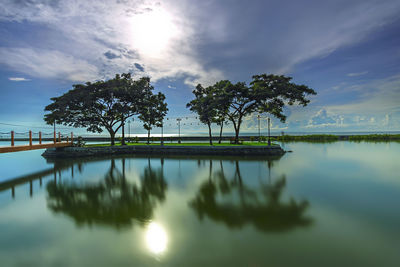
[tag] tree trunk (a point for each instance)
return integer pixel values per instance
(148, 136)
(209, 132)
(237, 130)
(112, 137)
(123, 134)
(220, 133)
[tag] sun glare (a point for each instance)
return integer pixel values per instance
(156, 238)
(153, 31)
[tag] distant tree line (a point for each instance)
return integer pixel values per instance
(109, 104)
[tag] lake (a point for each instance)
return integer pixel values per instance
(332, 204)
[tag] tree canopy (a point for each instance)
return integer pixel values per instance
(153, 111)
(265, 94)
(102, 104)
(204, 105)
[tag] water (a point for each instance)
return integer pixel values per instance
(322, 205)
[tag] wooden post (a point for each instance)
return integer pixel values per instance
(72, 137)
(59, 137)
(40, 138)
(30, 138)
(55, 140)
(12, 138)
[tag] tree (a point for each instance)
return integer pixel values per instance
(153, 111)
(221, 104)
(102, 104)
(267, 93)
(204, 106)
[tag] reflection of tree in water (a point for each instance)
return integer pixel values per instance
(113, 201)
(264, 208)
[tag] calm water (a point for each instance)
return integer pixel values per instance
(322, 205)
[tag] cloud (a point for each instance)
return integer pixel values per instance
(111, 55)
(197, 41)
(48, 64)
(18, 79)
(355, 74)
(101, 38)
(377, 97)
(139, 67)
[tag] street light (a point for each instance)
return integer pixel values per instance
(162, 132)
(269, 133)
(179, 129)
(129, 130)
(259, 131)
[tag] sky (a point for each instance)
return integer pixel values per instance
(347, 51)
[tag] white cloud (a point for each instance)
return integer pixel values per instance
(48, 64)
(110, 36)
(101, 38)
(355, 74)
(18, 79)
(376, 97)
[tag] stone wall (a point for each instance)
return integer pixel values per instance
(73, 152)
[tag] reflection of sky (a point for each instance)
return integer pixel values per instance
(353, 203)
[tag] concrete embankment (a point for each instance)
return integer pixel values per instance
(74, 152)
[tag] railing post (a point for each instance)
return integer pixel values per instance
(12, 138)
(59, 137)
(40, 138)
(72, 137)
(55, 140)
(67, 139)
(30, 138)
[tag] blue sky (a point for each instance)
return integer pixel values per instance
(348, 51)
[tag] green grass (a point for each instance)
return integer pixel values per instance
(185, 144)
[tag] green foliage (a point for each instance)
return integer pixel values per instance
(266, 94)
(153, 111)
(375, 137)
(98, 105)
(308, 138)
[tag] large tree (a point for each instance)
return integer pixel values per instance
(204, 105)
(153, 111)
(102, 104)
(221, 104)
(266, 93)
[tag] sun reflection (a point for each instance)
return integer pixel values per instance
(156, 238)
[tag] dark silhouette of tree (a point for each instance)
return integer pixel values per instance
(153, 111)
(102, 104)
(221, 104)
(263, 208)
(204, 106)
(113, 201)
(266, 94)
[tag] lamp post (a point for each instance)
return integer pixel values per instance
(269, 133)
(179, 129)
(162, 132)
(129, 130)
(259, 132)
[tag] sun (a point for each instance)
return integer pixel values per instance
(153, 31)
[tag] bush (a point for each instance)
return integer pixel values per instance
(79, 142)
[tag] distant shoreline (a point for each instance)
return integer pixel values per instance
(281, 138)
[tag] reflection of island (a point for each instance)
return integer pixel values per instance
(113, 201)
(235, 204)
